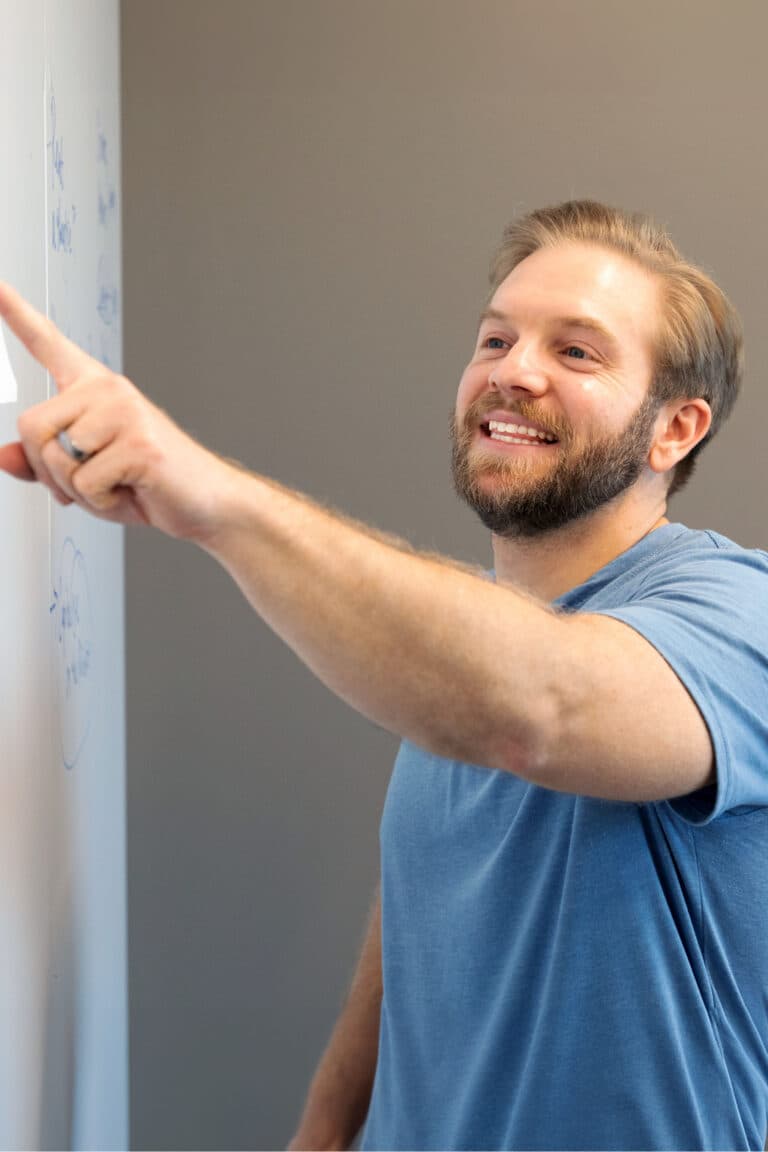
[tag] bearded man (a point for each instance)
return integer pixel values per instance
(570, 945)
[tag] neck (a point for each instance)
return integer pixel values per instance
(552, 563)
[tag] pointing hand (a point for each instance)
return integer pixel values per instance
(127, 461)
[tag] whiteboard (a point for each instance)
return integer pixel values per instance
(63, 955)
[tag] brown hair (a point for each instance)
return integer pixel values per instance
(700, 349)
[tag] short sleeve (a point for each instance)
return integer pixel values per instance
(706, 613)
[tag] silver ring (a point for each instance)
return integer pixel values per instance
(71, 449)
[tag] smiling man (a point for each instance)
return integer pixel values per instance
(570, 949)
(601, 315)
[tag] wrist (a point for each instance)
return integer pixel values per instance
(223, 505)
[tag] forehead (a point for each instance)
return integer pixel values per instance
(584, 280)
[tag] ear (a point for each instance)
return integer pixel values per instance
(680, 425)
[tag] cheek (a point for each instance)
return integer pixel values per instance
(468, 390)
(595, 402)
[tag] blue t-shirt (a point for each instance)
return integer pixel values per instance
(562, 972)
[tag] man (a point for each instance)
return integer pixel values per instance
(571, 947)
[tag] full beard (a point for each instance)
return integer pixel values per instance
(514, 499)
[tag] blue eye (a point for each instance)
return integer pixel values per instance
(499, 343)
(582, 354)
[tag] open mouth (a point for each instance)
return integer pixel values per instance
(520, 434)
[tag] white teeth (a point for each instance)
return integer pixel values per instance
(521, 429)
(511, 439)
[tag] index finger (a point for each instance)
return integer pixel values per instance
(50, 347)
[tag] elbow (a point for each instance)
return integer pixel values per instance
(528, 749)
(533, 762)
(506, 727)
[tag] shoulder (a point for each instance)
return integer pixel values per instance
(704, 564)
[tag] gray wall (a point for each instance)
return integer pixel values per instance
(312, 192)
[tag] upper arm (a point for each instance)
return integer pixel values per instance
(623, 725)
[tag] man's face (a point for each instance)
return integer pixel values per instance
(565, 349)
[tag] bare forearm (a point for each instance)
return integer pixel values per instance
(411, 641)
(340, 1092)
(453, 662)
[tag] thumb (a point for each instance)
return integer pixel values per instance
(14, 461)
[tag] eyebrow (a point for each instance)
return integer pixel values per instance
(585, 322)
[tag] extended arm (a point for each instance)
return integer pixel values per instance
(464, 667)
(340, 1092)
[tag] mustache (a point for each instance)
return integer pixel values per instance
(524, 411)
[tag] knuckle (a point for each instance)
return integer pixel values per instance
(89, 490)
(114, 384)
(26, 423)
(124, 402)
(145, 446)
(121, 390)
(79, 483)
(95, 379)
(102, 384)
(127, 386)
(49, 450)
(97, 498)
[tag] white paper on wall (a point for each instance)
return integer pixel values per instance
(8, 388)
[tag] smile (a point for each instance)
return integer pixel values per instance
(520, 434)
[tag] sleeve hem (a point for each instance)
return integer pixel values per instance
(705, 804)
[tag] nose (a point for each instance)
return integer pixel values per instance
(522, 367)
